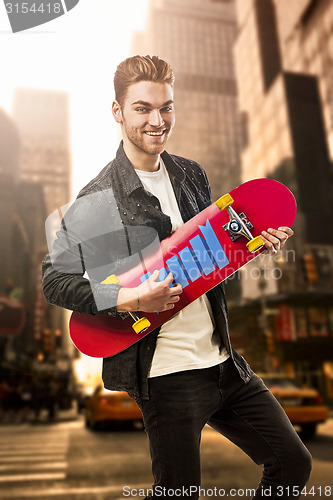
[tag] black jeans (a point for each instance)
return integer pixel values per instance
(247, 414)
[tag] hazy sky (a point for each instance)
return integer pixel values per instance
(77, 52)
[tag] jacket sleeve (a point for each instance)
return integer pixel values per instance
(71, 272)
(77, 293)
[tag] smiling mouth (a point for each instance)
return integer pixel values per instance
(155, 134)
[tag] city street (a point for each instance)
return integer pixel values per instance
(65, 460)
(206, 156)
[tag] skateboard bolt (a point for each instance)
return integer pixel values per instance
(234, 226)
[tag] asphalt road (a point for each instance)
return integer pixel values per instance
(67, 461)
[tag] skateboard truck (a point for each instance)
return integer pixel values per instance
(140, 325)
(238, 224)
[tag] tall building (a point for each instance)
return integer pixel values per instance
(42, 117)
(196, 37)
(306, 45)
(9, 147)
(285, 98)
(284, 71)
(22, 229)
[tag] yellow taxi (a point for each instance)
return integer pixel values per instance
(110, 406)
(303, 406)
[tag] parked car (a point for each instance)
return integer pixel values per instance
(303, 406)
(110, 406)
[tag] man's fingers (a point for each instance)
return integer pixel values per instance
(281, 235)
(152, 278)
(287, 230)
(155, 275)
(176, 289)
(275, 239)
(269, 245)
(278, 234)
(169, 279)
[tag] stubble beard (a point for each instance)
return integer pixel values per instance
(136, 137)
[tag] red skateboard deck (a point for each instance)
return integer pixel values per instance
(200, 254)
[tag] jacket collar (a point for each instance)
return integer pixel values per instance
(129, 177)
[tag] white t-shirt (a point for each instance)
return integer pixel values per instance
(187, 341)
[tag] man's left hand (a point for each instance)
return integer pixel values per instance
(275, 239)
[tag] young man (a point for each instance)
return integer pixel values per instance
(186, 373)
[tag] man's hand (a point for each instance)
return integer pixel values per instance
(275, 239)
(158, 296)
(150, 296)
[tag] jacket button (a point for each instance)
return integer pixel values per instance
(109, 313)
(157, 207)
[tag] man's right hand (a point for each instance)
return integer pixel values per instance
(150, 296)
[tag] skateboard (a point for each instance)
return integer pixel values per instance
(202, 253)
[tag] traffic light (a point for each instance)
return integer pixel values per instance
(310, 268)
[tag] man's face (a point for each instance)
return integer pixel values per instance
(148, 116)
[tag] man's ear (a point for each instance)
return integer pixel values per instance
(116, 111)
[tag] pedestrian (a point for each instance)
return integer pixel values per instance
(25, 391)
(184, 374)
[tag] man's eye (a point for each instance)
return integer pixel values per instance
(167, 108)
(141, 110)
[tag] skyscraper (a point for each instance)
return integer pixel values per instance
(42, 117)
(285, 89)
(197, 38)
(22, 230)
(284, 73)
(306, 46)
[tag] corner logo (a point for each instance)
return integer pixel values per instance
(30, 13)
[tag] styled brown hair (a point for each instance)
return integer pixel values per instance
(140, 68)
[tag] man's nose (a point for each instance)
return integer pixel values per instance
(155, 119)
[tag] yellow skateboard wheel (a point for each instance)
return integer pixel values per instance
(141, 325)
(111, 280)
(224, 201)
(254, 244)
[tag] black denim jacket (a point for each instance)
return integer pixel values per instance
(118, 190)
